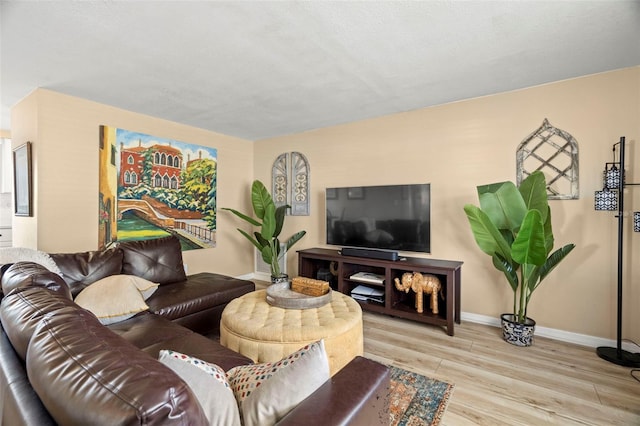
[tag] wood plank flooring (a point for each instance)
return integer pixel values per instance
(549, 383)
(497, 383)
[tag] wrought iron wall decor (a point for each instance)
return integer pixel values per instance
(555, 152)
(290, 182)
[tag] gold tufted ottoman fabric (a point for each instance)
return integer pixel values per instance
(266, 333)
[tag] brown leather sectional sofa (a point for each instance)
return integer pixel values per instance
(60, 365)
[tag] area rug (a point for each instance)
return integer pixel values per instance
(416, 400)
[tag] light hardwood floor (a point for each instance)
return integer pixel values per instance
(500, 384)
(549, 383)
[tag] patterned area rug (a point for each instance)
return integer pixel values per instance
(417, 400)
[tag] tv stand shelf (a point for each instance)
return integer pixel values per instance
(319, 262)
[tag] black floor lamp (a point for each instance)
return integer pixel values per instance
(612, 198)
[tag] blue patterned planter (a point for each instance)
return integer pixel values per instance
(516, 333)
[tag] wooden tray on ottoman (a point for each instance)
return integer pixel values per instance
(282, 296)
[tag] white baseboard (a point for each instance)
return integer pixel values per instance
(250, 277)
(553, 333)
(262, 276)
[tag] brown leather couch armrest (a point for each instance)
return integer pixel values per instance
(356, 395)
(30, 274)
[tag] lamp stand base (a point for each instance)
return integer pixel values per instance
(620, 357)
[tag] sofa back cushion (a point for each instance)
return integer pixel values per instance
(22, 310)
(84, 268)
(158, 260)
(87, 375)
(30, 274)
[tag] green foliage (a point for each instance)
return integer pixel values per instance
(513, 226)
(147, 167)
(210, 212)
(197, 180)
(270, 221)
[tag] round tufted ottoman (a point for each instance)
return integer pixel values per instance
(265, 333)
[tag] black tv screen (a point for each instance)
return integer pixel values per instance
(391, 217)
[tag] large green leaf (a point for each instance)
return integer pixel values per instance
(534, 193)
(548, 232)
(269, 222)
(509, 270)
(248, 237)
(553, 260)
(529, 245)
(487, 236)
(295, 238)
(280, 213)
(267, 255)
(503, 204)
(260, 199)
(261, 240)
(243, 216)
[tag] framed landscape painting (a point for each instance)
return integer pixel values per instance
(150, 187)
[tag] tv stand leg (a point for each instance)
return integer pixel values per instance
(457, 280)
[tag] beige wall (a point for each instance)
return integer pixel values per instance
(460, 145)
(65, 130)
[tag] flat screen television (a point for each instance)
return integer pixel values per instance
(388, 217)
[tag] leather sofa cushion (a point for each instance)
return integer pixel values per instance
(86, 374)
(146, 329)
(30, 274)
(84, 268)
(158, 260)
(200, 292)
(22, 310)
(153, 333)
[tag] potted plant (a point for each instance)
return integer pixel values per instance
(513, 226)
(270, 221)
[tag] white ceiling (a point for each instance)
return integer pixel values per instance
(262, 69)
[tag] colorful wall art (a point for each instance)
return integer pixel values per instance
(152, 187)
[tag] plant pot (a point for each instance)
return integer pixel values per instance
(279, 279)
(516, 333)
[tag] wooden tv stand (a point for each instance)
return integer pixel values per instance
(396, 303)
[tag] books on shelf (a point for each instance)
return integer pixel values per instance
(368, 277)
(365, 293)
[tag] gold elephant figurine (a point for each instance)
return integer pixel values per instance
(429, 284)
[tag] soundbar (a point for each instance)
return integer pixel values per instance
(370, 253)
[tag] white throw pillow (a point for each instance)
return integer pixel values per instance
(24, 254)
(146, 287)
(209, 384)
(267, 392)
(116, 298)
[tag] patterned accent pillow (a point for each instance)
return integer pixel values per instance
(209, 384)
(211, 369)
(267, 392)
